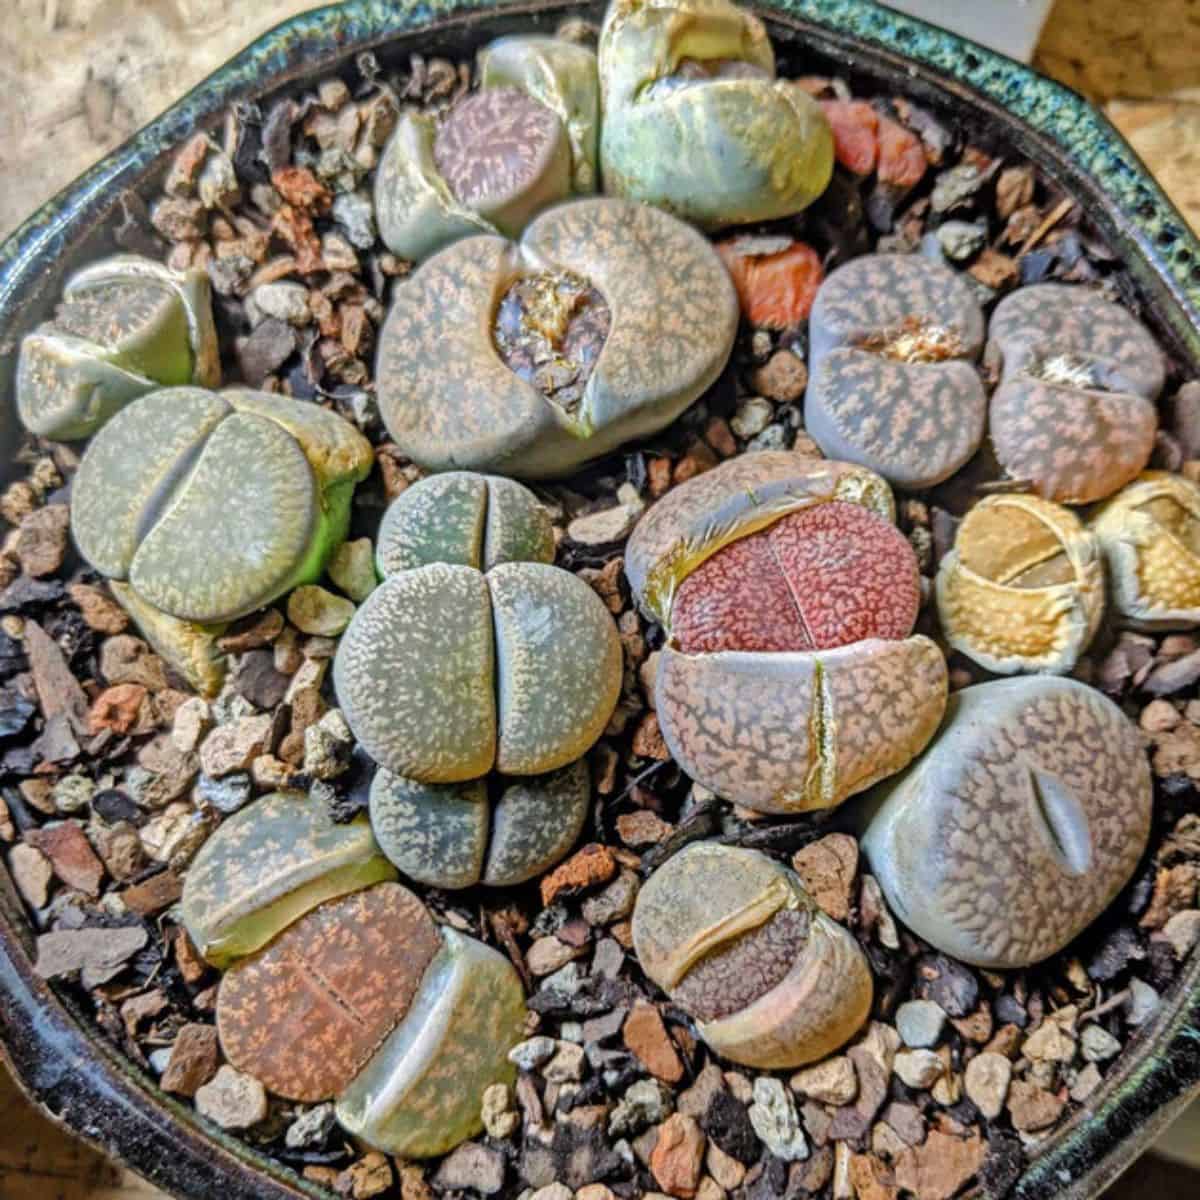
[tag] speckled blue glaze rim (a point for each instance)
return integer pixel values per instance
(53, 1049)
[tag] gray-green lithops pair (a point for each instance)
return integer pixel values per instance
(126, 326)
(339, 984)
(695, 121)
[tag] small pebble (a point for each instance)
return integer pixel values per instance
(471, 1167)
(918, 1068)
(72, 794)
(1143, 1002)
(959, 240)
(986, 1080)
(311, 1128)
(531, 1053)
(773, 1115)
(752, 417)
(604, 527)
(314, 610)
(1183, 931)
(282, 301)
(645, 1103)
(567, 1064)
(232, 1100)
(1097, 1045)
(920, 1023)
(352, 568)
(499, 1118)
(833, 1081)
(32, 873)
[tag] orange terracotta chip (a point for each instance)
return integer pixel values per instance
(855, 126)
(902, 161)
(776, 290)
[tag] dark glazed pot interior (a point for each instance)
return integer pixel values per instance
(53, 1049)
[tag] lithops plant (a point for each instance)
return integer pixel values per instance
(695, 121)
(126, 326)
(738, 944)
(602, 324)
(788, 681)
(212, 505)
(1018, 826)
(892, 384)
(1074, 413)
(1150, 535)
(1023, 587)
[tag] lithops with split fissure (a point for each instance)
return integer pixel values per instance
(1018, 826)
(602, 324)
(789, 680)
(1150, 535)
(893, 339)
(1023, 587)
(1074, 413)
(737, 943)
(126, 326)
(695, 121)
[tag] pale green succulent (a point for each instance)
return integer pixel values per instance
(127, 326)
(695, 121)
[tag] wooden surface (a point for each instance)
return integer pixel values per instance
(78, 76)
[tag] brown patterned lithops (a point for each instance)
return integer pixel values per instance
(892, 385)
(1074, 414)
(1018, 826)
(126, 326)
(603, 324)
(1023, 587)
(1150, 534)
(737, 943)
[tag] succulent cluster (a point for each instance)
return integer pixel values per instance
(338, 984)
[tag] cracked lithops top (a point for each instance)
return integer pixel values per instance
(695, 121)
(1150, 535)
(212, 505)
(1072, 360)
(1018, 826)
(126, 326)
(1023, 587)
(736, 942)
(892, 385)
(602, 324)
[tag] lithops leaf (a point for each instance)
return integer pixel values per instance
(306, 1014)
(558, 666)
(518, 527)
(792, 732)
(267, 865)
(562, 76)
(414, 674)
(1023, 587)
(696, 520)
(1019, 825)
(419, 1095)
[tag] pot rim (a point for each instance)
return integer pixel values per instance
(50, 1046)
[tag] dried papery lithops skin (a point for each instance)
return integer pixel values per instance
(456, 835)
(414, 674)
(419, 1094)
(306, 1014)
(1023, 587)
(695, 120)
(127, 326)
(892, 385)
(560, 75)
(461, 517)
(269, 864)
(792, 732)
(1074, 412)
(449, 400)
(1018, 826)
(697, 519)
(820, 577)
(737, 943)
(1150, 535)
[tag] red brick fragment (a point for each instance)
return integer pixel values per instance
(588, 866)
(902, 161)
(776, 290)
(855, 127)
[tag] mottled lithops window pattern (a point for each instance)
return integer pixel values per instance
(447, 396)
(1069, 359)
(735, 940)
(893, 339)
(1023, 587)
(1018, 826)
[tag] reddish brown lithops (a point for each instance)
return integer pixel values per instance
(1023, 587)
(1150, 534)
(1018, 826)
(892, 385)
(1074, 412)
(736, 941)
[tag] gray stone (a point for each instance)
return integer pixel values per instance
(531, 1053)
(474, 1167)
(1183, 931)
(32, 873)
(232, 1100)
(311, 1128)
(355, 213)
(919, 1069)
(97, 954)
(72, 794)
(645, 1103)
(567, 1064)
(752, 417)
(774, 437)
(986, 1080)
(614, 902)
(1144, 1002)
(1097, 1044)
(773, 1115)
(920, 1023)
(604, 527)
(956, 187)
(959, 240)
(283, 301)
(227, 794)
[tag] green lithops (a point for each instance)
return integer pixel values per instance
(267, 865)
(454, 835)
(211, 506)
(126, 326)
(695, 121)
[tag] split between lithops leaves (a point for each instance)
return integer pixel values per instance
(1018, 826)
(1023, 587)
(127, 326)
(736, 942)
(695, 121)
